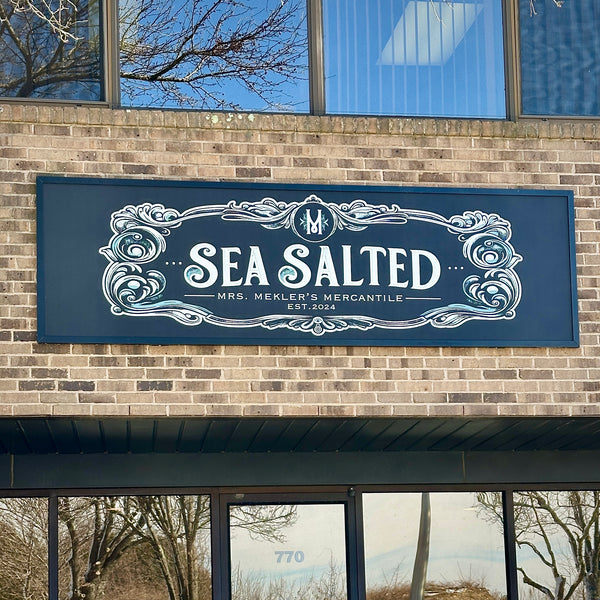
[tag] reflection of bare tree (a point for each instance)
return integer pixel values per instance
(169, 534)
(47, 47)
(96, 536)
(562, 530)
(265, 521)
(419, 578)
(185, 52)
(177, 528)
(23, 548)
(331, 585)
(532, 3)
(171, 53)
(57, 14)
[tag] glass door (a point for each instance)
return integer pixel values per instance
(287, 548)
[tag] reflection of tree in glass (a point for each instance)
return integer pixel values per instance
(264, 521)
(532, 3)
(417, 588)
(330, 585)
(23, 548)
(448, 529)
(187, 51)
(94, 535)
(55, 13)
(155, 547)
(562, 531)
(50, 49)
(176, 53)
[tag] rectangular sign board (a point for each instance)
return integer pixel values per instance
(161, 262)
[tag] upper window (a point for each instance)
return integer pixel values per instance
(50, 49)
(214, 55)
(414, 57)
(560, 57)
(426, 58)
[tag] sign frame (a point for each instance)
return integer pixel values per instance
(286, 216)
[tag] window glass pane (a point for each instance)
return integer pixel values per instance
(131, 547)
(414, 57)
(288, 551)
(444, 543)
(50, 49)
(560, 57)
(558, 545)
(23, 548)
(214, 55)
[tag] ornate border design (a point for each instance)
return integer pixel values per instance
(140, 234)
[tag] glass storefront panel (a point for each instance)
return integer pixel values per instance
(417, 545)
(560, 57)
(131, 547)
(51, 50)
(558, 544)
(432, 544)
(414, 58)
(288, 551)
(23, 548)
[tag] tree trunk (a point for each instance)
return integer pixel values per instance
(591, 589)
(88, 590)
(417, 588)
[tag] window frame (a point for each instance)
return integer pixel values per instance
(107, 33)
(516, 95)
(316, 69)
(350, 496)
(345, 498)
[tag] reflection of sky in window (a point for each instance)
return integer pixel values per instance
(463, 545)
(414, 57)
(318, 534)
(281, 94)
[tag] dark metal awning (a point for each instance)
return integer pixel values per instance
(63, 453)
(63, 435)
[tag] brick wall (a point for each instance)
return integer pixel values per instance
(74, 379)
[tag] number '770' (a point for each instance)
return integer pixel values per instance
(289, 555)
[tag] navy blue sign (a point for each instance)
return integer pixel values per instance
(181, 262)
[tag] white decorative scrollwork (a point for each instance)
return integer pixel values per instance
(355, 216)
(140, 234)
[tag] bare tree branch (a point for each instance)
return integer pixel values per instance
(562, 530)
(57, 14)
(187, 53)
